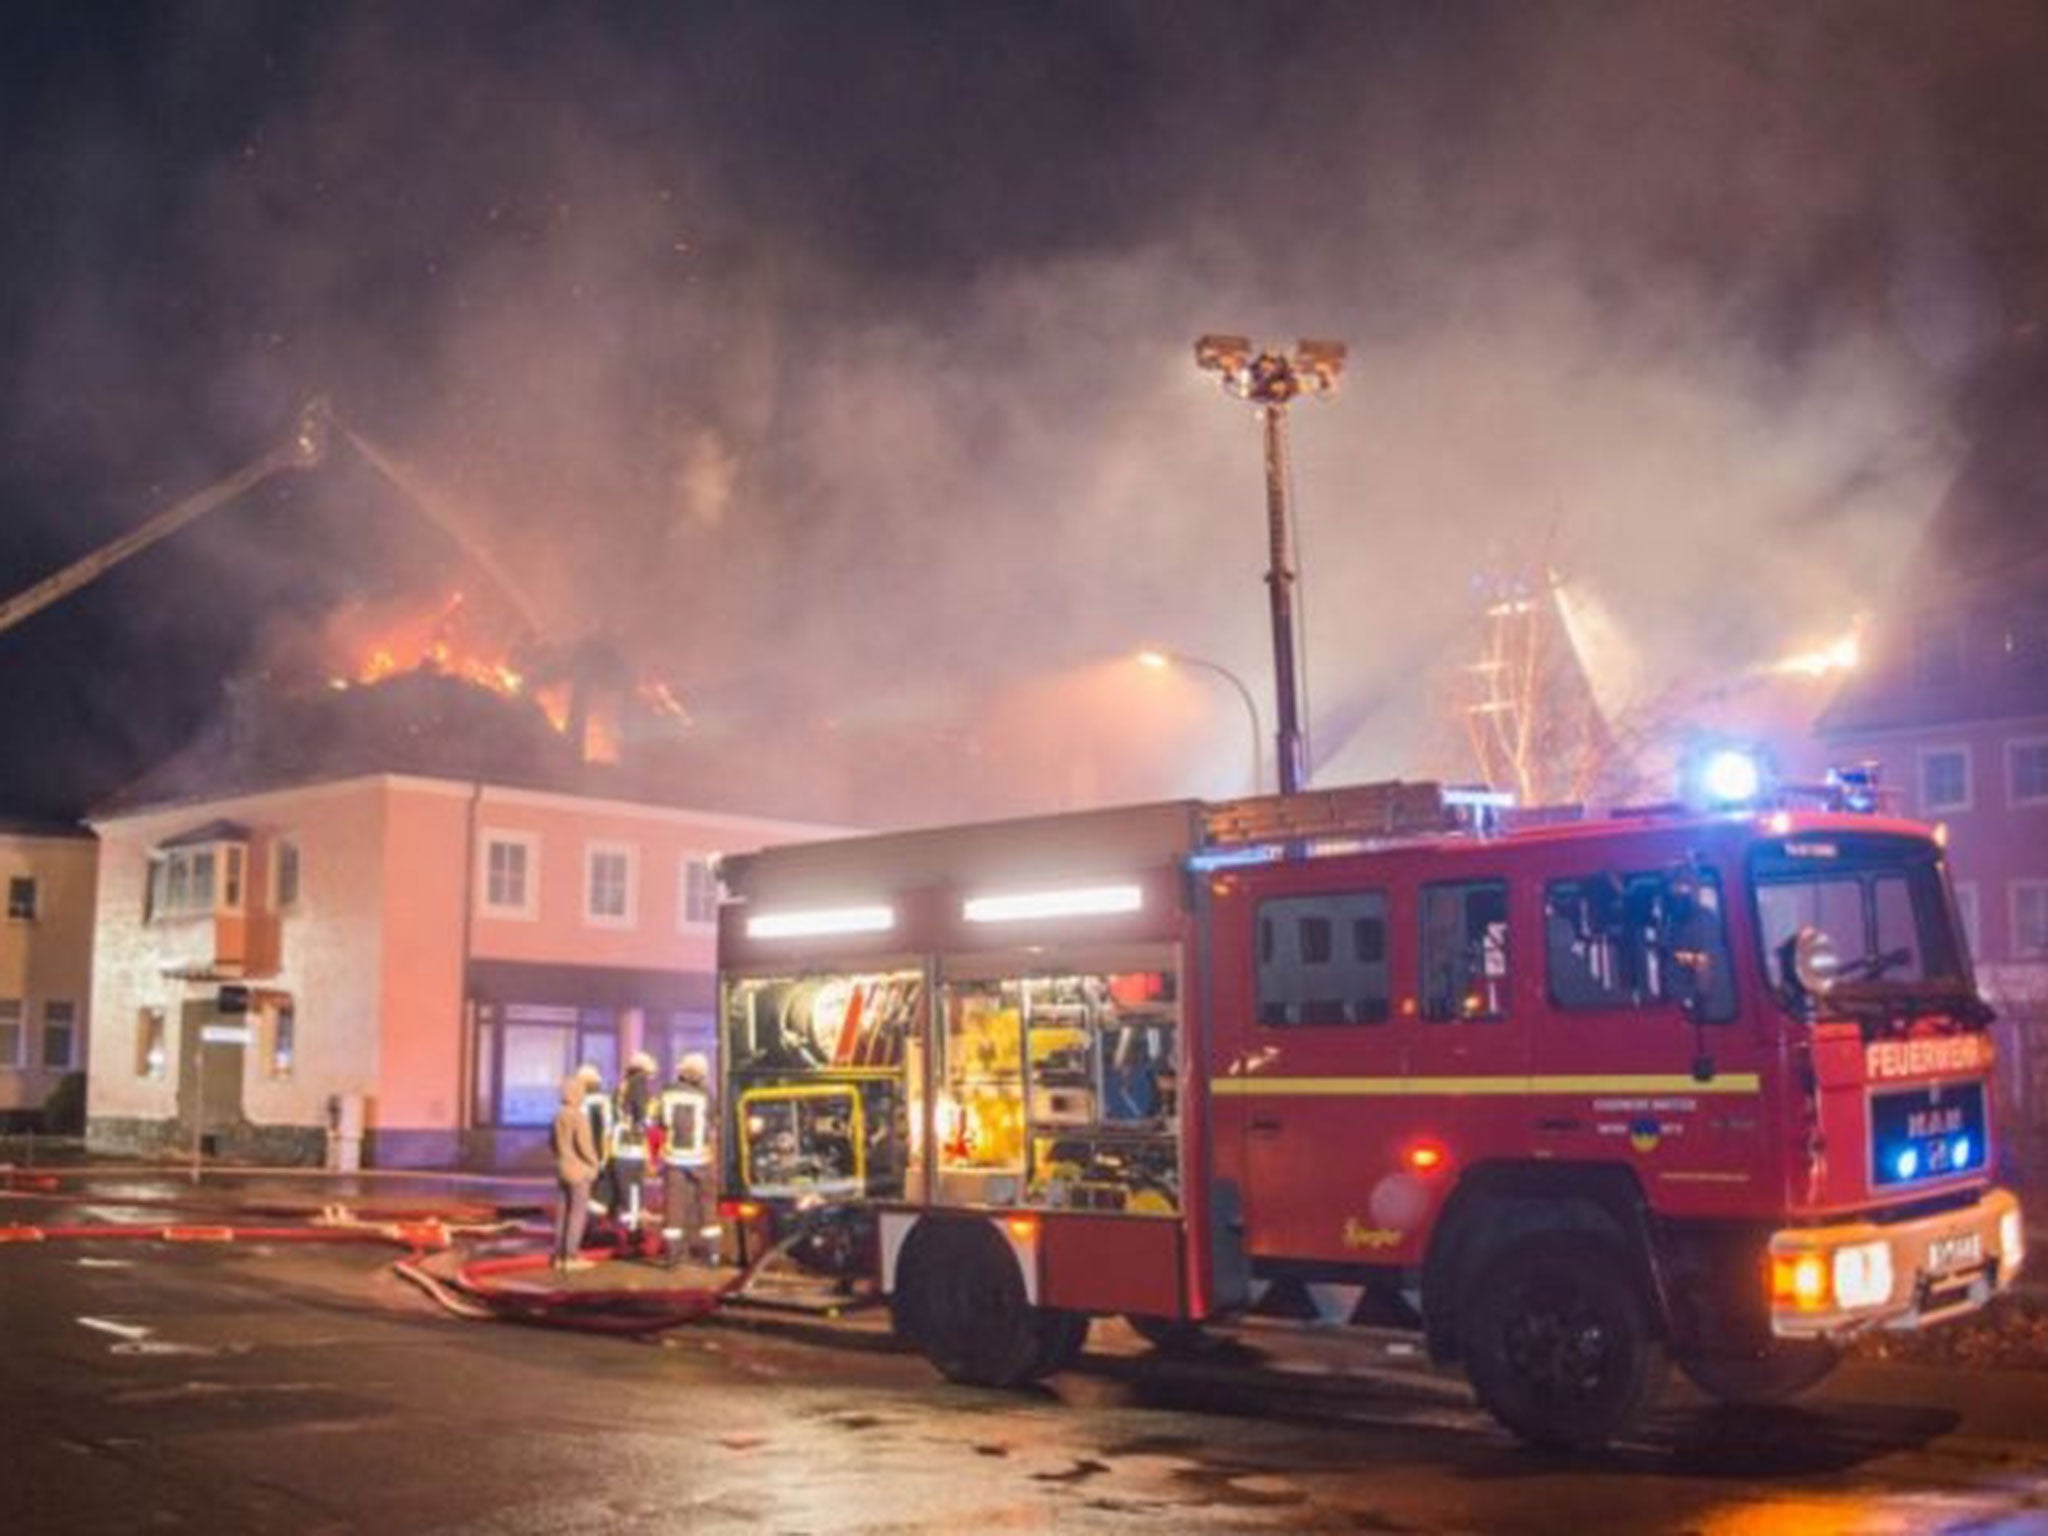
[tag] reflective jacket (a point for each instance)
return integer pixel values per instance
(686, 1118)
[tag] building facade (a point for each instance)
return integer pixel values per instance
(47, 874)
(420, 958)
(1952, 705)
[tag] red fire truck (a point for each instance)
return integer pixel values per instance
(1573, 1096)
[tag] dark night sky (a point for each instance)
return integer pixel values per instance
(834, 356)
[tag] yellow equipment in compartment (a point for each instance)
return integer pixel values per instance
(795, 1166)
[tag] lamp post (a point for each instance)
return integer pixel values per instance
(1160, 660)
(1271, 380)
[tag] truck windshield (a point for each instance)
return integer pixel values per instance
(1875, 910)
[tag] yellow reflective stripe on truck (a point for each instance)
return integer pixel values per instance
(1411, 1087)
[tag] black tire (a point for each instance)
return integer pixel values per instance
(1173, 1337)
(1557, 1341)
(963, 1303)
(1062, 1335)
(1786, 1369)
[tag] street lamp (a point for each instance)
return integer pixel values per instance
(1160, 660)
(1270, 380)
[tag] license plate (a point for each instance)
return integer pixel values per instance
(1958, 1251)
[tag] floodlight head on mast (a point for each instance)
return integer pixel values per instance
(1270, 376)
(1223, 354)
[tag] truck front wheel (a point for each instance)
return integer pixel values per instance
(1783, 1371)
(1557, 1342)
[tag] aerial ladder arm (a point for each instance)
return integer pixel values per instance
(305, 448)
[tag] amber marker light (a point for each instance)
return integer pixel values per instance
(1800, 1281)
(1022, 1228)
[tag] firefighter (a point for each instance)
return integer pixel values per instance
(597, 1109)
(633, 1112)
(687, 1192)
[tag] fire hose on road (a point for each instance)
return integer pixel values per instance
(483, 1287)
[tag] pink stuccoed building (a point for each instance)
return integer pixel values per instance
(412, 942)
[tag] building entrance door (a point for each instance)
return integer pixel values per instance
(211, 1048)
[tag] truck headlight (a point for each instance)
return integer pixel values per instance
(2012, 1241)
(1863, 1275)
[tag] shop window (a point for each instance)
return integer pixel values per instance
(1465, 950)
(1944, 779)
(510, 879)
(21, 898)
(152, 1058)
(608, 884)
(2029, 919)
(536, 1057)
(2026, 766)
(1636, 941)
(284, 1038)
(233, 858)
(1323, 959)
(285, 878)
(60, 1036)
(699, 905)
(12, 1041)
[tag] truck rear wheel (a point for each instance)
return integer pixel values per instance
(1786, 1369)
(962, 1301)
(1557, 1341)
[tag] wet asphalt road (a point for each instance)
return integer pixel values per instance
(147, 1387)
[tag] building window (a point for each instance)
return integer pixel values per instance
(1323, 959)
(285, 878)
(233, 858)
(1465, 950)
(2026, 772)
(511, 878)
(608, 884)
(1944, 779)
(284, 1032)
(60, 1036)
(11, 1041)
(1966, 909)
(21, 897)
(2029, 919)
(181, 881)
(151, 1057)
(1937, 653)
(700, 894)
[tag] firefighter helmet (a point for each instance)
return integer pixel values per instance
(695, 1067)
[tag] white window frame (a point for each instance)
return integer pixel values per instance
(527, 910)
(1945, 749)
(598, 848)
(2015, 892)
(2013, 748)
(278, 849)
(70, 1061)
(1967, 909)
(19, 1008)
(691, 863)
